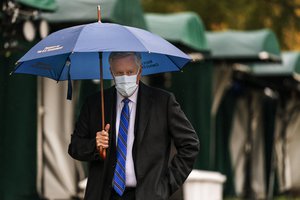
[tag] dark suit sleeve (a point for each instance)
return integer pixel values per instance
(186, 142)
(83, 143)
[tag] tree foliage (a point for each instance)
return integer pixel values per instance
(282, 16)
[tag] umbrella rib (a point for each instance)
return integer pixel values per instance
(62, 69)
(70, 53)
(173, 62)
(148, 50)
(17, 67)
(137, 38)
(77, 39)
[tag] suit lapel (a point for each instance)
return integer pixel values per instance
(143, 109)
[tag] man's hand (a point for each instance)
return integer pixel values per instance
(102, 138)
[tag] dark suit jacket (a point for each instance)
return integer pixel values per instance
(158, 120)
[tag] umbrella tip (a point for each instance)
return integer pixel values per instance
(99, 13)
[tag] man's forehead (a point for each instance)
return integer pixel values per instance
(124, 59)
(124, 66)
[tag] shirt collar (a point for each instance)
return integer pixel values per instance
(132, 98)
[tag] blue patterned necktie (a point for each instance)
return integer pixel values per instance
(119, 179)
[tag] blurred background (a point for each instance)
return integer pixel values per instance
(241, 93)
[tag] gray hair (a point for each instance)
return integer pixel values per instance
(116, 55)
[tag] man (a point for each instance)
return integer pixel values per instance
(140, 123)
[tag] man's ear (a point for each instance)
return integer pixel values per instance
(139, 75)
(112, 74)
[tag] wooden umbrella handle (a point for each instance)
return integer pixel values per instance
(102, 151)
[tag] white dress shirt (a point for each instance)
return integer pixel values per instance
(130, 173)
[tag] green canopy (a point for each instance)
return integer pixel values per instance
(48, 5)
(244, 45)
(186, 28)
(290, 66)
(126, 12)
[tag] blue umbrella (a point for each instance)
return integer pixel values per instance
(81, 52)
(74, 52)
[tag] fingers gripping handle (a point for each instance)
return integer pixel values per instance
(102, 151)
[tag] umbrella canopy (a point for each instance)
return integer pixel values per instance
(73, 53)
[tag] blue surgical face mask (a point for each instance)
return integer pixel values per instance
(126, 85)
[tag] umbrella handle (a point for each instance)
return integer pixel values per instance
(102, 151)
